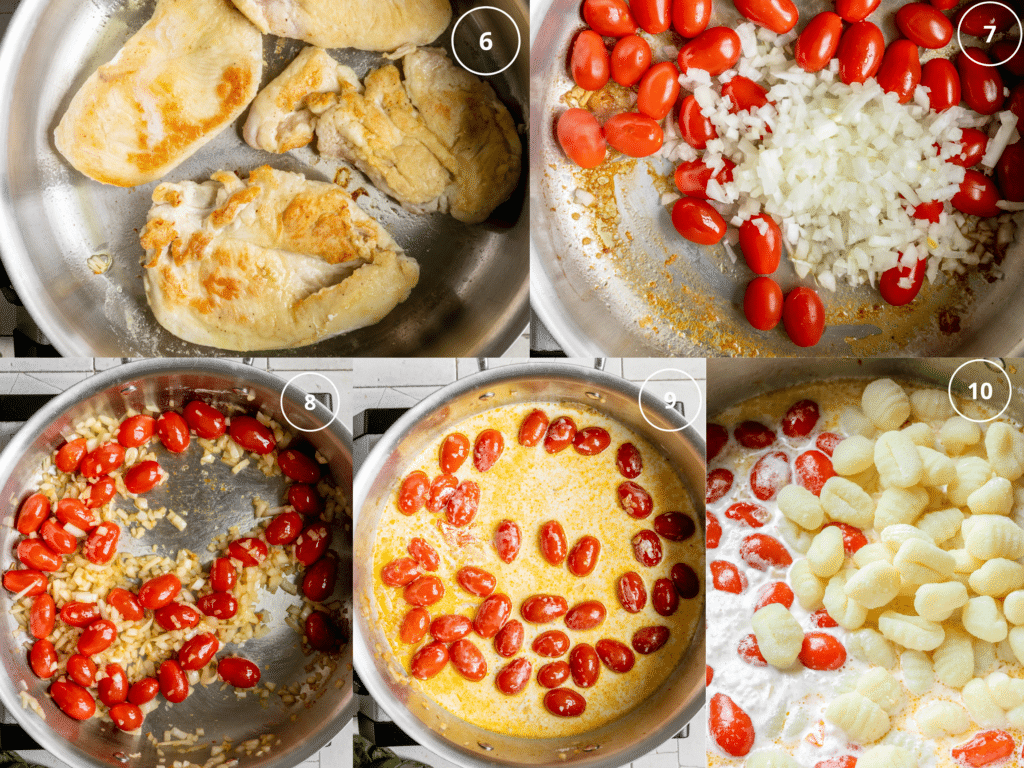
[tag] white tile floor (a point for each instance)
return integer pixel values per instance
(403, 383)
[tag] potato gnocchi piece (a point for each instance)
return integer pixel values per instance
(921, 562)
(885, 403)
(990, 536)
(957, 433)
(953, 660)
(931, 405)
(826, 555)
(1006, 691)
(995, 497)
(847, 612)
(779, 635)
(939, 469)
(801, 506)
(770, 758)
(1015, 717)
(913, 632)
(899, 506)
(920, 435)
(896, 535)
(874, 585)
(964, 562)
(807, 587)
(798, 539)
(868, 645)
(897, 460)
(855, 422)
(847, 502)
(982, 618)
(984, 657)
(937, 602)
(854, 455)
(981, 706)
(872, 553)
(942, 718)
(887, 756)
(1015, 637)
(1005, 448)
(941, 524)
(972, 472)
(998, 577)
(861, 719)
(918, 672)
(881, 687)
(1013, 607)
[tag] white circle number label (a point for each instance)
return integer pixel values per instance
(309, 402)
(674, 387)
(496, 25)
(971, 376)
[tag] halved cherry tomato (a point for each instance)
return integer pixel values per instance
(541, 609)
(653, 16)
(56, 538)
(977, 19)
(424, 554)
(973, 144)
(239, 672)
(924, 25)
(762, 303)
(761, 250)
(36, 555)
(205, 420)
(634, 134)
(492, 614)
(860, 51)
(97, 637)
(425, 590)
(761, 552)
(82, 670)
(631, 592)
(698, 221)
(565, 702)
(127, 717)
(647, 548)
(1011, 181)
(252, 435)
(982, 85)
(634, 499)
(551, 644)
(143, 477)
(450, 627)
(42, 616)
(136, 430)
(690, 17)
(101, 545)
(674, 526)
(487, 449)
(126, 604)
(800, 419)
(220, 605)
(30, 581)
(77, 614)
(100, 492)
(589, 62)
(73, 700)
(591, 441)
(400, 571)
(664, 597)
(223, 574)
(726, 577)
(580, 137)
(172, 429)
(631, 57)
(649, 639)
(34, 510)
(73, 512)
(900, 70)
(584, 616)
(769, 474)
(776, 592)
(719, 482)
(70, 455)
(941, 79)
(283, 529)
(412, 495)
(583, 556)
(475, 580)
(977, 195)
(610, 18)
(856, 10)
(754, 435)
(615, 655)
(695, 128)
(159, 591)
(659, 89)
(714, 50)
(298, 466)
(779, 16)
(463, 505)
(692, 177)
(560, 434)
(628, 461)
(104, 460)
(584, 665)
(804, 317)
(143, 691)
(819, 41)
(173, 681)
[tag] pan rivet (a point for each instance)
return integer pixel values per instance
(126, 390)
(591, 747)
(241, 390)
(593, 395)
(121, 757)
(485, 747)
(487, 396)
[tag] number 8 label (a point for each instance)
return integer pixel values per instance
(310, 402)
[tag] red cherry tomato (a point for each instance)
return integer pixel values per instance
(631, 57)
(610, 18)
(653, 16)
(585, 616)
(982, 85)
(986, 747)
(113, 689)
(698, 221)
(429, 660)
(514, 676)
(159, 591)
(492, 614)
(283, 529)
(649, 639)
(941, 79)
(450, 627)
(239, 672)
(977, 195)
(126, 604)
(454, 451)
(730, 726)
(553, 544)
(804, 317)
(127, 717)
(762, 251)
(143, 477)
(487, 449)
(924, 25)
(690, 17)
(177, 616)
(779, 16)
(220, 605)
(252, 435)
(322, 633)
(856, 10)
(143, 691)
(978, 17)
(583, 556)
(318, 583)
(534, 428)
(37, 556)
(1012, 57)
(692, 177)
(591, 441)
(541, 609)
(205, 420)
(615, 655)
(745, 94)
(73, 512)
(945, 5)
(56, 538)
(97, 637)
(628, 461)
(900, 70)
(298, 466)
(762, 303)
(589, 63)
(931, 211)
(860, 52)
(659, 90)
(695, 127)
(172, 429)
(71, 454)
(101, 545)
(100, 492)
(973, 145)
(306, 501)
(250, 551)
(104, 460)
(30, 581)
(82, 670)
(414, 626)
(34, 510)
(634, 134)
(81, 615)
(893, 283)
(714, 50)
(565, 702)
(412, 495)
(584, 665)
(42, 658)
(632, 592)
(73, 700)
(173, 681)
(42, 616)
(1011, 181)
(819, 41)
(136, 430)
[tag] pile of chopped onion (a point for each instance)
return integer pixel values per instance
(839, 167)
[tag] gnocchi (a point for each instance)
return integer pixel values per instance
(930, 405)
(997, 577)
(874, 585)
(779, 635)
(953, 660)
(990, 536)
(942, 718)
(854, 455)
(807, 587)
(846, 611)
(913, 632)
(983, 619)
(1005, 448)
(937, 602)
(801, 506)
(995, 497)
(825, 555)
(869, 645)
(899, 506)
(881, 687)
(957, 433)
(887, 756)
(981, 706)
(918, 672)
(770, 758)
(846, 502)
(897, 460)
(886, 404)
(861, 719)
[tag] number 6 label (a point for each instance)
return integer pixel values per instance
(495, 27)
(972, 378)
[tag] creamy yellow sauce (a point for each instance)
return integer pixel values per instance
(531, 487)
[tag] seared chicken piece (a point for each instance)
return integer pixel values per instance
(440, 140)
(177, 82)
(274, 261)
(370, 25)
